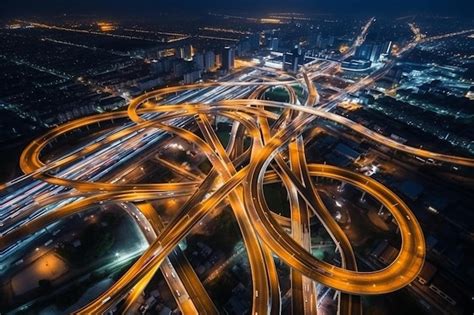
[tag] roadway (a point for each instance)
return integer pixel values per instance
(387, 280)
(237, 179)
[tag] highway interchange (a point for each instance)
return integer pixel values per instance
(43, 195)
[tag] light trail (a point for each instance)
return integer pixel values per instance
(237, 178)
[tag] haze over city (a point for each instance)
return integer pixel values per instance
(151, 7)
(236, 157)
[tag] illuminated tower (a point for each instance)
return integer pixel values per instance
(228, 58)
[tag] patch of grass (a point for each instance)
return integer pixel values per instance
(276, 198)
(277, 94)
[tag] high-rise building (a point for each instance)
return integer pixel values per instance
(363, 52)
(219, 60)
(248, 44)
(324, 42)
(370, 52)
(243, 47)
(273, 45)
(331, 41)
(228, 57)
(375, 53)
(191, 77)
(186, 52)
(319, 41)
(209, 60)
(254, 41)
(199, 61)
(178, 68)
(291, 60)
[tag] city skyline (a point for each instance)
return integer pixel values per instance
(461, 8)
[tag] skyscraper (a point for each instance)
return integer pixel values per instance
(291, 60)
(199, 61)
(209, 60)
(228, 57)
(273, 45)
(244, 47)
(186, 52)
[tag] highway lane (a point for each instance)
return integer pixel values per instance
(266, 104)
(142, 267)
(185, 95)
(316, 172)
(73, 208)
(259, 273)
(100, 139)
(56, 164)
(348, 304)
(30, 159)
(411, 254)
(274, 236)
(303, 290)
(178, 225)
(80, 169)
(86, 187)
(178, 273)
(145, 210)
(360, 129)
(178, 228)
(300, 231)
(84, 171)
(193, 284)
(264, 233)
(303, 296)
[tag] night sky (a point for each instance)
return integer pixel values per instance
(124, 7)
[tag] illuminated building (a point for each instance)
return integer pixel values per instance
(186, 52)
(209, 60)
(291, 60)
(272, 43)
(191, 77)
(199, 61)
(228, 56)
(370, 52)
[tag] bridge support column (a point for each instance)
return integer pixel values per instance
(362, 198)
